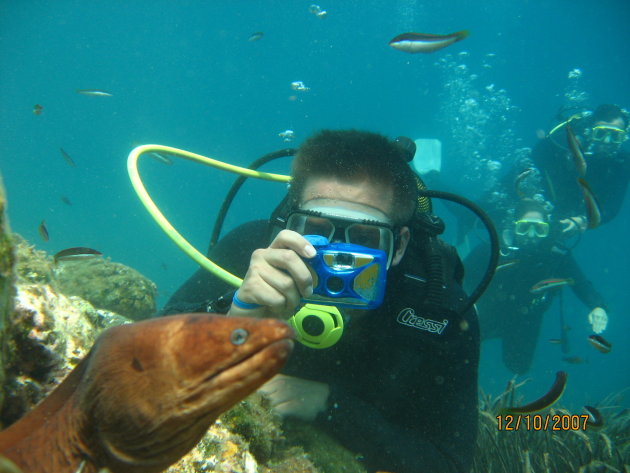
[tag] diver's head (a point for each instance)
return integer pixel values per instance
(356, 180)
(531, 225)
(608, 129)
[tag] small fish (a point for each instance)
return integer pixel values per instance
(576, 151)
(425, 43)
(257, 36)
(507, 264)
(593, 214)
(43, 231)
(317, 11)
(287, 135)
(67, 157)
(595, 418)
(600, 343)
(76, 253)
(574, 360)
(547, 400)
(94, 93)
(519, 179)
(161, 158)
(37, 109)
(299, 85)
(65, 200)
(551, 283)
(555, 341)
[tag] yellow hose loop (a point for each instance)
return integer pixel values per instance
(165, 225)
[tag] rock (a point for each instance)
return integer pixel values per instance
(7, 290)
(49, 334)
(108, 285)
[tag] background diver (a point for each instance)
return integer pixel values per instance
(601, 134)
(533, 268)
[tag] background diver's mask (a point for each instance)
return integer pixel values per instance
(531, 228)
(345, 225)
(608, 134)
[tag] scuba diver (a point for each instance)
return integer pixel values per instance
(400, 387)
(533, 268)
(600, 134)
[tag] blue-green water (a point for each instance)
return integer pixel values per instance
(184, 74)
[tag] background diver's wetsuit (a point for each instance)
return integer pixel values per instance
(607, 176)
(403, 396)
(508, 310)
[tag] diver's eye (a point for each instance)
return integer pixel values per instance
(364, 235)
(239, 336)
(318, 226)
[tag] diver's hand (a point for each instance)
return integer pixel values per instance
(296, 397)
(572, 226)
(277, 278)
(598, 318)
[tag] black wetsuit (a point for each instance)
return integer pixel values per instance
(607, 175)
(508, 310)
(403, 381)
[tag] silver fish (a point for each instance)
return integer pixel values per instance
(425, 43)
(94, 93)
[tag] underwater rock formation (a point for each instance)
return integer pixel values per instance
(7, 291)
(49, 334)
(108, 285)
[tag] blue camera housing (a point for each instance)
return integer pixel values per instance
(347, 275)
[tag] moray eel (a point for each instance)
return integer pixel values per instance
(146, 394)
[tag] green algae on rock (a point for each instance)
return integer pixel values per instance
(32, 266)
(108, 285)
(7, 290)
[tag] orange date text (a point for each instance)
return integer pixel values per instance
(555, 422)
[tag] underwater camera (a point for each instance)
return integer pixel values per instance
(346, 275)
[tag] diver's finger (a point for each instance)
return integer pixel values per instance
(289, 239)
(272, 288)
(274, 385)
(292, 265)
(285, 294)
(287, 407)
(568, 225)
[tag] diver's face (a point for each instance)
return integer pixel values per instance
(530, 229)
(604, 138)
(373, 199)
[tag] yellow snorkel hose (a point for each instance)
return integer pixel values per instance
(165, 225)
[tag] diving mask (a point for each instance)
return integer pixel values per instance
(608, 134)
(345, 225)
(531, 228)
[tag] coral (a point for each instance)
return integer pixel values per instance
(254, 420)
(324, 451)
(108, 285)
(295, 461)
(223, 449)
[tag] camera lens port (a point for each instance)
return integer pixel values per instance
(334, 284)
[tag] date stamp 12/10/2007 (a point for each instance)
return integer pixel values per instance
(536, 422)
